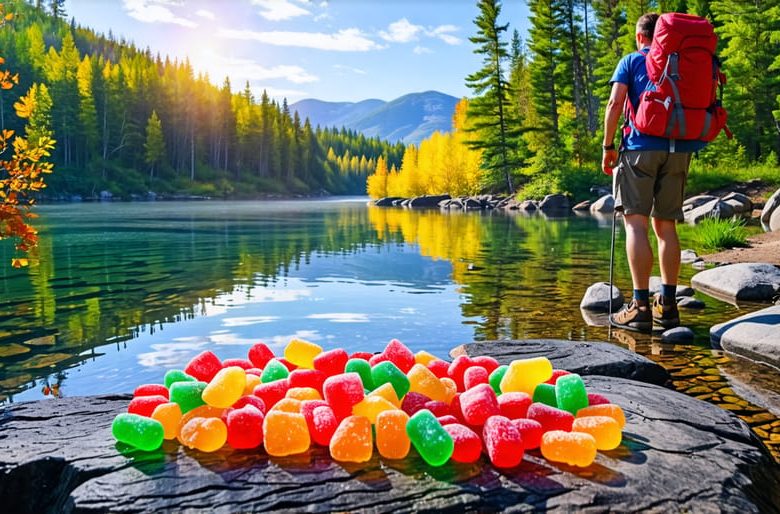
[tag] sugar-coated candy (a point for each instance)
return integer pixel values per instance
(597, 399)
(605, 430)
(437, 408)
(145, 405)
(450, 388)
(204, 434)
(331, 362)
(255, 371)
(151, 390)
(303, 393)
(377, 358)
(550, 417)
(545, 393)
(169, 416)
(570, 393)
(287, 405)
(423, 381)
(226, 387)
(486, 362)
(187, 394)
(252, 400)
(514, 405)
(285, 433)
(204, 411)
(496, 376)
(447, 419)
(385, 372)
(573, 448)
(414, 402)
(307, 409)
(245, 427)
(138, 431)
(458, 368)
(392, 441)
(524, 375)
(503, 442)
(398, 353)
(313, 378)
(439, 368)
(323, 425)
(370, 407)
(606, 409)
(177, 375)
(241, 363)
(272, 392)
(287, 364)
(531, 431)
(387, 392)
(474, 376)
(456, 408)
(302, 353)
(363, 369)
(430, 439)
(204, 366)
(352, 441)
(342, 392)
(361, 355)
(251, 382)
(478, 404)
(467, 444)
(274, 371)
(555, 374)
(424, 358)
(260, 354)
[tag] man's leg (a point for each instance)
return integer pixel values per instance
(640, 255)
(668, 250)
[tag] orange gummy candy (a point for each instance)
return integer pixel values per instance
(352, 441)
(169, 414)
(204, 411)
(204, 434)
(450, 387)
(605, 409)
(573, 448)
(288, 405)
(252, 381)
(286, 433)
(303, 393)
(392, 441)
(605, 430)
(423, 381)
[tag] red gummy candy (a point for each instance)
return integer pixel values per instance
(307, 409)
(342, 392)
(478, 404)
(260, 354)
(361, 355)
(414, 402)
(437, 408)
(241, 363)
(287, 364)
(204, 366)
(324, 425)
(474, 376)
(145, 405)
(455, 408)
(255, 371)
(468, 446)
(597, 399)
(439, 368)
(488, 363)
(307, 378)
(514, 405)
(531, 431)
(447, 419)
(503, 442)
(397, 353)
(550, 418)
(377, 358)
(151, 390)
(557, 373)
(252, 400)
(272, 392)
(457, 368)
(331, 362)
(245, 427)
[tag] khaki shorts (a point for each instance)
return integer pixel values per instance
(651, 183)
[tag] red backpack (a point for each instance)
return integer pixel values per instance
(682, 101)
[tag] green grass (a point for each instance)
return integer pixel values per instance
(714, 234)
(706, 178)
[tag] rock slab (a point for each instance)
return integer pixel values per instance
(755, 336)
(770, 207)
(745, 281)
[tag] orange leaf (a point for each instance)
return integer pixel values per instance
(19, 263)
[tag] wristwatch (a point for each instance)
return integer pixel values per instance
(610, 146)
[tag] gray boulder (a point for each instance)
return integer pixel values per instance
(741, 203)
(597, 298)
(755, 335)
(605, 204)
(678, 335)
(557, 202)
(696, 201)
(774, 221)
(770, 207)
(655, 287)
(582, 206)
(688, 256)
(714, 209)
(688, 302)
(470, 204)
(428, 200)
(387, 201)
(528, 206)
(735, 282)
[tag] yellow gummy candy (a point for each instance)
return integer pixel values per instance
(524, 375)
(424, 358)
(387, 391)
(225, 388)
(303, 393)
(302, 353)
(423, 381)
(605, 409)
(370, 407)
(450, 387)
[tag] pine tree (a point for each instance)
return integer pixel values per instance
(87, 113)
(155, 144)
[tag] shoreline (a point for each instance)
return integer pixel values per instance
(763, 248)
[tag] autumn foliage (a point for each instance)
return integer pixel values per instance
(22, 174)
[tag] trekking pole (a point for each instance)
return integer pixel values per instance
(611, 271)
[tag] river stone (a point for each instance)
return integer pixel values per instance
(688, 256)
(557, 202)
(755, 336)
(774, 221)
(582, 206)
(696, 201)
(714, 209)
(604, 204)
(770, 207)
(741, 203)
(678, 454)
(427, 200)
(689, 302)
(655, 287)
(387, 201)
(597, 298)
(744, 281)
(528, 206)
(678, 335)
(585, 358)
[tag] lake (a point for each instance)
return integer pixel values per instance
(125, 291)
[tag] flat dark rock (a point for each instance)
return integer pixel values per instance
(585, 358)
(678, 454)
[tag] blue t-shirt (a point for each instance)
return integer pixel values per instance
(632, 72)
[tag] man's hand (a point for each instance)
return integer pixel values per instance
(608, 161)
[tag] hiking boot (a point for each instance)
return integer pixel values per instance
(665, 315)
(633, 317)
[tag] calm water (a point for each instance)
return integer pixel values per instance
(124, 292)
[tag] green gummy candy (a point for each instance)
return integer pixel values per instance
(177, 375)
(496, 376)
(570, 393)
(274, 371)
(187, 395)
(545, 393)
(362, 368)
(385, 372)
(430, 439)
(138, 431)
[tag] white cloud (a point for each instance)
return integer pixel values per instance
(154, 11)
(341, 317)
(246, 321)
(443, 32)
(420, 50)
(277, 10)
(356, 71)
(401, 31)
(345, 40)
(204, 13)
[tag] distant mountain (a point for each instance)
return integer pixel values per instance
(410, 118)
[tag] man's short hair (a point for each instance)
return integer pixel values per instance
(645, 25)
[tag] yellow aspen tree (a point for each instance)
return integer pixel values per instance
(377, 183)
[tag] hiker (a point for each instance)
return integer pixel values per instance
(648, 181)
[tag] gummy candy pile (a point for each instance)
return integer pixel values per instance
(392, 400)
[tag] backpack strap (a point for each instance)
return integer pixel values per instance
(672, 73)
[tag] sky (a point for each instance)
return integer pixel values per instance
(333, 50)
